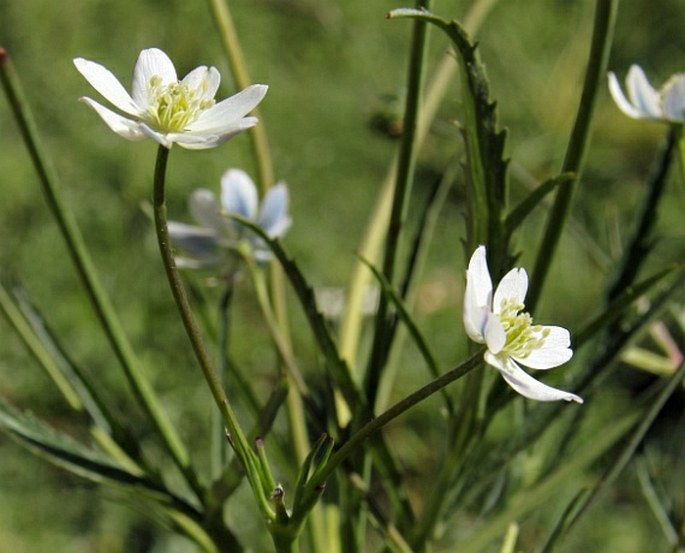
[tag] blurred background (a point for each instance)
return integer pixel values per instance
(336, 73)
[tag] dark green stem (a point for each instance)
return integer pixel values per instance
(315, 485)
(405, 174)
(236, 436)
(605, 17)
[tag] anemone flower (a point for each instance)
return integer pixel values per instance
(168, 110)
(644, 102)
(213, 243)
(509, 334)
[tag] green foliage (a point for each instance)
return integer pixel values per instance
(330, 464)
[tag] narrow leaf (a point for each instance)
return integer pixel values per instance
(522, 210)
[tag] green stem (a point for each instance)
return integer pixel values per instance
(218, 441)
(605, 17)
(398, 214)
(104, 310)
(236, 436)
(350, 326)
(319, 478)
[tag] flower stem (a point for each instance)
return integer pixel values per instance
(350, 326)
(86, 271)
(374, 425)
(235, 434)
(398, 213)
(605, 18)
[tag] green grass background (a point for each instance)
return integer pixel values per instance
(331, 67)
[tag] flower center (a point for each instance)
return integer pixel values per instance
(523, 337)
(175, 105)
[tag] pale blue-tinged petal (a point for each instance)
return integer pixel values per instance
(151, 62)
(673, 98)
(525, 384)
(553, 352)
(130, 130)
(477, 296)
(102, 80)
(623, 104)
(199, 242)
(227, 112)
(642, 94)
(513, 286)
(205, 209)
(239, 194)
(273, 215)
(203, 79)
(495, 335)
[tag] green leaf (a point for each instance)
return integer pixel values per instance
(484, 143)
(62, 450)
(522, 210)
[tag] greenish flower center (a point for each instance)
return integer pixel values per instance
(175, 105)
(523, 337)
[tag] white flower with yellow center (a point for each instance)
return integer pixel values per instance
(644, 102)
(509, 333)
(168, 110)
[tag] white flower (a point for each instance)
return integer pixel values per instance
(665, 104)
(509, 333)
(213, 242)
(168, 110)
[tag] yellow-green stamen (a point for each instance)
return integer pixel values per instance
(522, 336)
(173, 106)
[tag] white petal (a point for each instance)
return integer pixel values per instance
(129, 129)
(642, 94)
(227, 112)
(477, 296)
(525, 384)
(273, 216)
(555, 350)
(151, 62)
(197, 241)
(495, 336)
(513, 286)
(239, 194)
(203, 78)
(102, 80)
(161, 138)
(205, 209)
(673, 102)
(623, 104)
(204, 140)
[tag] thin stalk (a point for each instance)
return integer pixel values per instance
(294, 403)
(605, 18)
(235, 434)
(319, 478)
(398, 214)
(85, 269)
(350, 326)
(265, 179)
(638, 246)
(218, 441)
